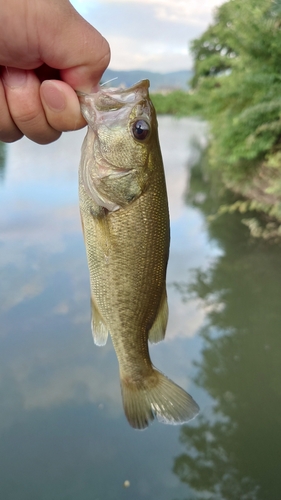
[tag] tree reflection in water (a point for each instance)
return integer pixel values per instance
(235, 452)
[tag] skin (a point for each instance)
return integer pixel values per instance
(47, 51)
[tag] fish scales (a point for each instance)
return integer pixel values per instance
(125, 219)
(120, 282)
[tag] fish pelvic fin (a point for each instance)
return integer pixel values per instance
(99, 329)
(158, 329)
(156, 397)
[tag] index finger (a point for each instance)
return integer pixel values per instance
(78, 50)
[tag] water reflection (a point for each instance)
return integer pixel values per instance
(62, 429)
(63, 433)
(234, 451)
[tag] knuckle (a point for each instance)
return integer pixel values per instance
(33, 124)
(45, 138)
(27, 116)
(9, 132)
(10, 136)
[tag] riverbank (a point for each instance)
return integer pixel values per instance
(256, 183)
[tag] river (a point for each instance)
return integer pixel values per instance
(63, 434)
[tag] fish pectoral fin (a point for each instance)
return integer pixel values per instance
(99, 329)
(158, 329)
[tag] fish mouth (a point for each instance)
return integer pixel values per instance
(123, 94)
(113, 99)
(114, 105)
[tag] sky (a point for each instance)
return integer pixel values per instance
(149, 34)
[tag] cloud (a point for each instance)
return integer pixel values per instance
(154, 56)
(152, 34)
(187, 11)
(184, 11)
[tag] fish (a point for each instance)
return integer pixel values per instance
(125, 221)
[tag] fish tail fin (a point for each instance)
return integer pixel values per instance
(156, 396)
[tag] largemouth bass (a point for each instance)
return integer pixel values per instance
(125, 220)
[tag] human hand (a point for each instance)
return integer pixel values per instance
(47, 51)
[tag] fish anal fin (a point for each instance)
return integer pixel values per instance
(99, 329)
(156, 396)
(158, 329)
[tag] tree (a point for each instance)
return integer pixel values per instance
(237, 82)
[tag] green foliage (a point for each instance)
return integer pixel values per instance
(237, 87)
(177, 103)
(259, 212)
(238, 83)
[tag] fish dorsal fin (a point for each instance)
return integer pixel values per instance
(99, 329)
(158, 329)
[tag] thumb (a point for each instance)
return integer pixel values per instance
(78, 50)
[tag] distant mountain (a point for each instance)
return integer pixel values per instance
(158, 81)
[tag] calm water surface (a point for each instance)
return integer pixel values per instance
(63, 434)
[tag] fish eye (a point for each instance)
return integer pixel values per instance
(140, 130)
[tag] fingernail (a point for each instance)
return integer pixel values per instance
(53, 97)
(14, 77)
